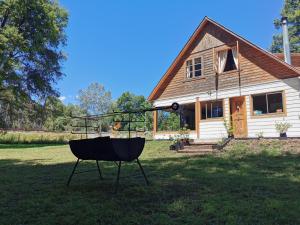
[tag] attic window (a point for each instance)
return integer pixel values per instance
(194, 67)
(227, 60)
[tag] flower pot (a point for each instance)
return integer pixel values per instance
(177, 146)
(181, 145)
(186, 142)
(172, 147)
(283, 135)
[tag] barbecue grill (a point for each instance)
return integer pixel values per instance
(108, 149)
(117, 150)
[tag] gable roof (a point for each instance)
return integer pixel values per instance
(175, 64)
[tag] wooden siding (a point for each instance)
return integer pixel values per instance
(216, 129)
(255, 67)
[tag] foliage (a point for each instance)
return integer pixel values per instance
(95, 99)
(51, 115)
(291, 10)
(184, 133)
(131, 102)
(255, 188)
(260, 134)
(168, 121)
(282, 127)
(229, 128)
(31, 36)
(36, 138)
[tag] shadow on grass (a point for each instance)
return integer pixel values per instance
(253, 189)
(23, 146)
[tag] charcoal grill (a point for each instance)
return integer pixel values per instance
(108, 149)
(117, 150)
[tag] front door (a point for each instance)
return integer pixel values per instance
(238, 116)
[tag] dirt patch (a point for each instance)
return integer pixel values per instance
(258, 145)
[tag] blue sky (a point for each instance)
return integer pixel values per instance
(128, 45)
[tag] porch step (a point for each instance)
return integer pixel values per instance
(204, 148)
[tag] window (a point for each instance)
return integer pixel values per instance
(230, 64)
(187, 116)
(198, 67)
(213, 109)
(227, 60)
(194, 67)
(267, 103)
(189, 68)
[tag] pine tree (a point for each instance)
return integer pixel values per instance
(291, 10)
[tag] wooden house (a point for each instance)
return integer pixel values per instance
(221, 78)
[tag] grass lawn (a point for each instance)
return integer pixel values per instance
(234, 187)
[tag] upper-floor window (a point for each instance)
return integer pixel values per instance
(227, 60)
(194, 67)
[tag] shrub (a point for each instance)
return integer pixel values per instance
(282, 127)
(36, 138)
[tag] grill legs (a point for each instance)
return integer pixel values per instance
(142, 170)
(118, 176)
(100, 174)
(76, 164)
(73, 171)
(119, 164)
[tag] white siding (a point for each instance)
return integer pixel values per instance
(267, 125)
(212, 130)
(215, 129)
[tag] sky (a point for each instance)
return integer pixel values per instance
(128, 45)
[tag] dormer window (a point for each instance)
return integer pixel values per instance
(194, 67)
(227, 60)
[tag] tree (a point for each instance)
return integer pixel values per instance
(94, 99)
(291, 10)
(131, 102)
(32, 33)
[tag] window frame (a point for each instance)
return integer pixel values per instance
(216, 60)
(274, 114)
(212, 118)
(193, 66)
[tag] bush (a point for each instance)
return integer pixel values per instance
(36, 138)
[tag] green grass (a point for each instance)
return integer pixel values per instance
(235, 187)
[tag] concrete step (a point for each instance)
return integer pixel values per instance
(201, 146)
(196, 151)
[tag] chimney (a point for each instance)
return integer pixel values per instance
(286, 43)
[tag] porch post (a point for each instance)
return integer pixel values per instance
(154, 122)
(197, 116)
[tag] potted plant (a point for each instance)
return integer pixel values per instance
(185, 136)
(260, 135)
(229, 128)
(282, 128)
(177, 144)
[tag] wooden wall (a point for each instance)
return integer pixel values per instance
(255, 67)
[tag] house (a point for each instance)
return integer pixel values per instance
(220, 77)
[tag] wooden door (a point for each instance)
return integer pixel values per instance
(238, 116)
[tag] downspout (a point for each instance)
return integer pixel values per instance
(216, 73)
(238, 66)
